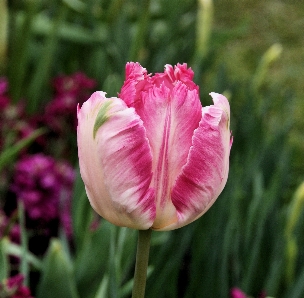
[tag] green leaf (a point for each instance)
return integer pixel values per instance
(20, 37)
(102, 290)
(81, 211)
(126, 289)
(76, 5)
(8, 155)
(4, 264)
(92, 259)
(3, 32)
(23, 267)
(57, 279)
(42, 25)
(16, 250)
(46, 60)
(298, 287)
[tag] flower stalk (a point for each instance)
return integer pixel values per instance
(204, 27)
(3, 33)
(142, 258)
(24, 269)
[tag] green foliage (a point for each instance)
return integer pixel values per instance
(4, 264)
(8, 155)
(81, 212)
(57, 275)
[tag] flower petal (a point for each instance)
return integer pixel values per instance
(206, 172)
(116, 162)
(170, 118)
(180, 73)
(136, 81)
(170, 108)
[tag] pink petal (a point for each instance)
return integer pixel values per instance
(180, 73)
(170, 108)
(170, 118)
(115, 162)
(206, 172)
(136, 81)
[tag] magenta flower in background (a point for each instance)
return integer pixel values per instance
(10, 114)
(154, 158)
(36, 184)
(73, 84)
(69, 90)
(4, 99)
(237, 293)
(45, 187)
(13, 117)
(13, 288)
(16, 111)
(6, 229)
(3, 85)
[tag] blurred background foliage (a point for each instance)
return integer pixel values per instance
(252, 51)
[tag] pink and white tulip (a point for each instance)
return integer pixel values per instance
(154, 158)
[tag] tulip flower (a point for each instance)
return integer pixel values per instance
(154, 158)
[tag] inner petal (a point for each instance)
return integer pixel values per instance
(170, 118)
(162, 180)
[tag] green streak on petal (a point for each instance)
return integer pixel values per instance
(102, 116)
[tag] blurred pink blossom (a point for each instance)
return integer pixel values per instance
(69, 91)
(73, 83)
(4, 99)
(13, 288)
(45, 187)
(237, 293)
(8, 228)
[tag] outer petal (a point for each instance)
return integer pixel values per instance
(206, 172)
(115, 162)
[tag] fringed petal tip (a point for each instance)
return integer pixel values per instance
(179, 72)
(135, 71)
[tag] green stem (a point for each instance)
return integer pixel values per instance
(45, 63)
(3, 33)
(138, 41)
(23, 264)
(19, 40)
(142, 258)
(203, 27)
